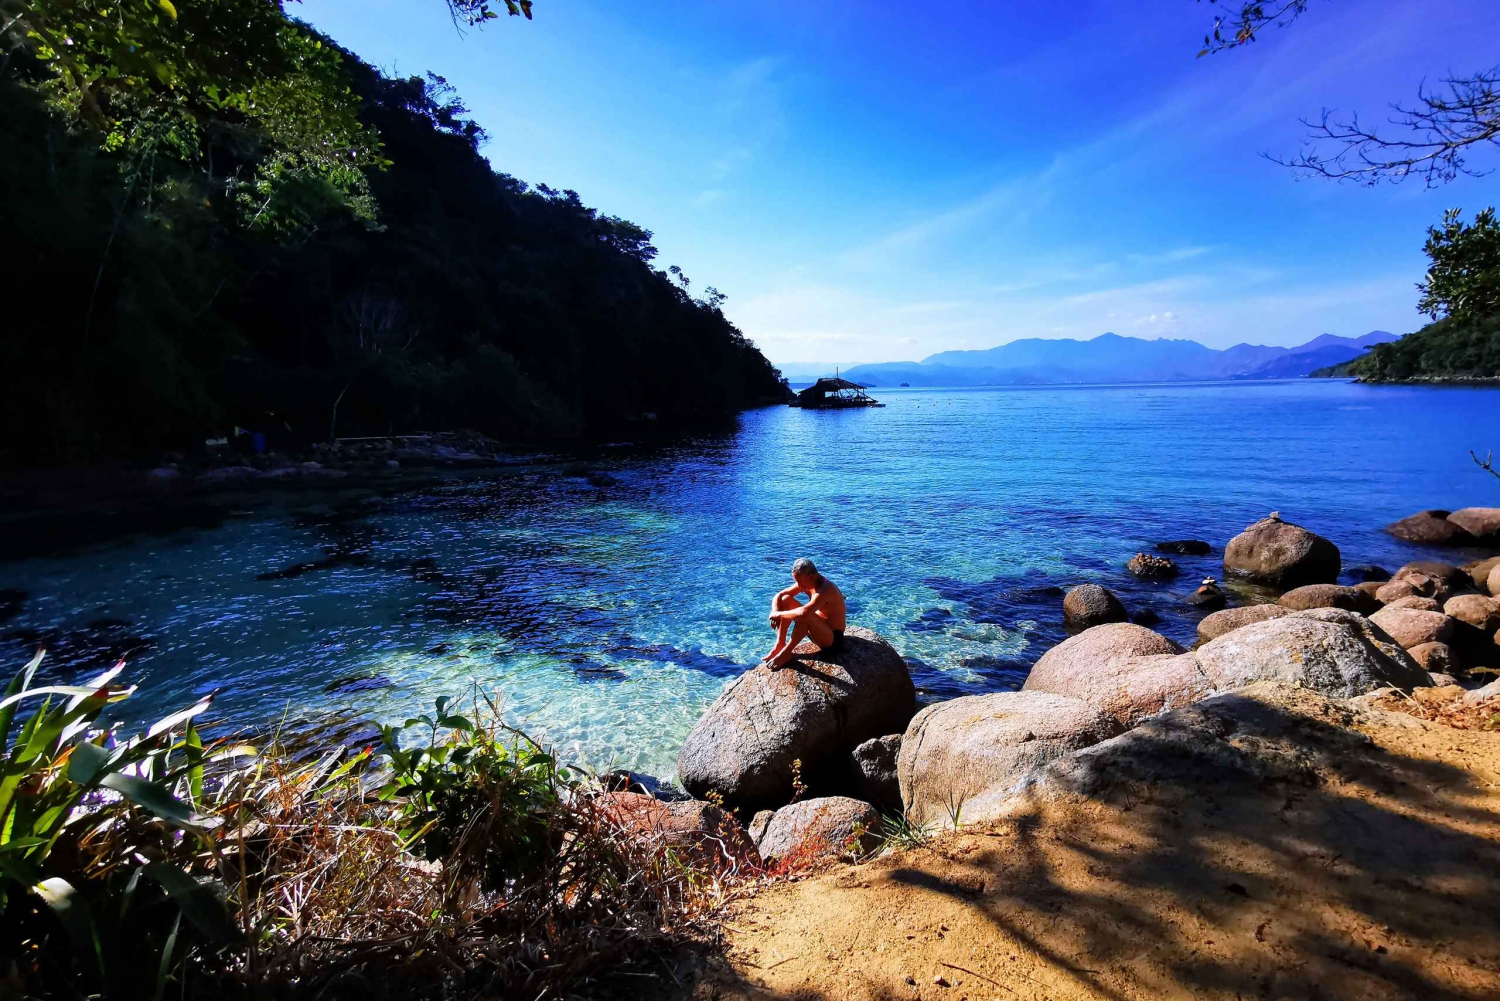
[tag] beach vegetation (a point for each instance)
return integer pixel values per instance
(453, 856)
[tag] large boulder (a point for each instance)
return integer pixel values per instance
(1479, 571)
(705, 834)
(1451, 577)
(1430, 528)
(875, 771)
(1131, 689)
(1078, 654)
(1483, 523)
(960, 759)
(1412, 626)
(1493, 584)
(1425, 580)
(1092, 605)
(829, 825)
(1329, 596)
(1435, 659)
(1281, 554)
(1230, 619)
(1418, 602)
(1332, 651)
(815, 710)
(1475, 609)
(1126, 670)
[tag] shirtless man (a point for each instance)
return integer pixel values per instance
(822, 618)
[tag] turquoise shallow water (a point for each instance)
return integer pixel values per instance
(605, 619)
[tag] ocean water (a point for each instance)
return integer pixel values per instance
(604, 620)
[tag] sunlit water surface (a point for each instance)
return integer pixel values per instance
(605, 619)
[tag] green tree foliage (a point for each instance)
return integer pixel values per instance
(1448, 349)
(206, 245)
(1463, 281)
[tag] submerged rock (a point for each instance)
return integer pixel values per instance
(961, 759)
(828, 825)
(1149, 567)
(1184, 547)
(1281, 554)
(1091, 605)
(1230, 619)
(815, 710)
(1363, 572)
(1431, 528)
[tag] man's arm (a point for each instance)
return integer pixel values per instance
(815, 599)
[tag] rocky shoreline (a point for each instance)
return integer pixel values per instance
(810, 760)
(59, 510)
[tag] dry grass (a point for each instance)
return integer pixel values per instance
(336, 906)
(1444, 705)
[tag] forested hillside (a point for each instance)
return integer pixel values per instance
(280, 237)
(1448, 349)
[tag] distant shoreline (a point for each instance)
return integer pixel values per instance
(1432, 380)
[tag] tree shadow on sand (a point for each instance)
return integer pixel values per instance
(1254, 845)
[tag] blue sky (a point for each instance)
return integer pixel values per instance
(877, 181)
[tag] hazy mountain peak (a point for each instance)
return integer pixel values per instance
(1111, 357)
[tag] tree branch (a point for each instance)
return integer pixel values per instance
(1448, 127)
(1487, 463)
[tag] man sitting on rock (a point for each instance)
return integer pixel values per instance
(821, 618)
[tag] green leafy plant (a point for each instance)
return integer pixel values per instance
(1463, 281)
(86, 821)
(899, 832)
(489, 807)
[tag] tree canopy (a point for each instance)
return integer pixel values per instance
(1463, 281)
(218, 217)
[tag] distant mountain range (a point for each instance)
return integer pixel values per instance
(1108, 358)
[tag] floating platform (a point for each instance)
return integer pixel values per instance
(834, 394)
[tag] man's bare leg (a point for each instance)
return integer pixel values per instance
(810, 626)
(780, 604)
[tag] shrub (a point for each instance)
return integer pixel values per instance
(468, 861)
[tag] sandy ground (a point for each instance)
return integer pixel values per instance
(1318, 851)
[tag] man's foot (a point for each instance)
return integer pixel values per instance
(781, 660)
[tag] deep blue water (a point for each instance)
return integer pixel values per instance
(606, 619)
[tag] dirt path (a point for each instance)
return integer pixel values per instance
(1274, 844)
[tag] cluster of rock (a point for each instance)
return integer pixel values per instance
(1472, 526)
(810, 749)
(819, 751)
